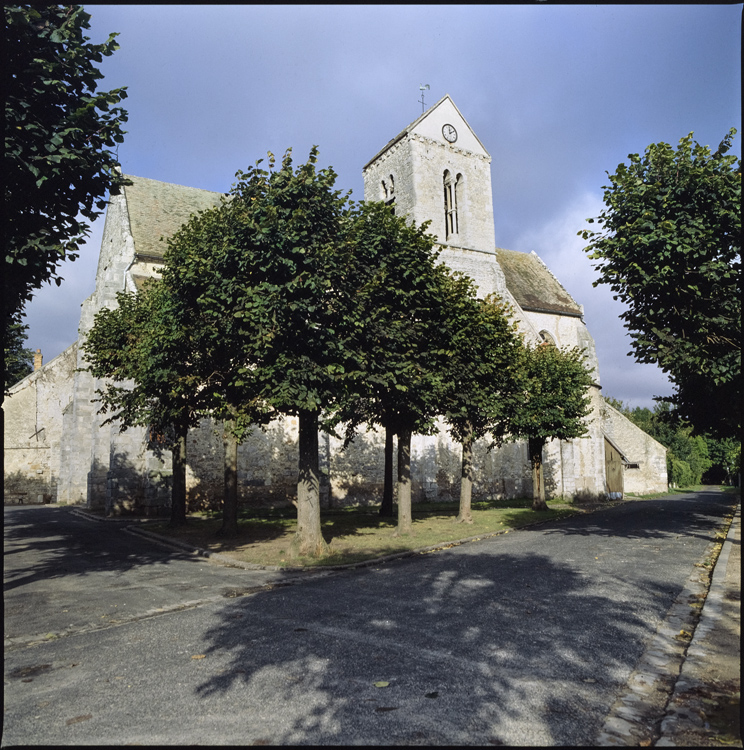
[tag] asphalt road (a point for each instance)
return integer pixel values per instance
(522, 639)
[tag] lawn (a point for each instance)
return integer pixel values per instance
(355, 534)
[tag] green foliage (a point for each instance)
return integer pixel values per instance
(396, 323)
(18, 360)
(202, 275)
(679, 472)
(670, 248)
(59, 132)
(143, 352)
(261, 274)
(484, 369)
(725, 455)
(556, 401)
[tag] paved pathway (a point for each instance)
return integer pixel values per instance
(526, 639)
(65, 574)
(705, 708)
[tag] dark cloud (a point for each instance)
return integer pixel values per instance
(557, 94)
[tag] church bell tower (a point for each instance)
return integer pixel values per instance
(437, 170)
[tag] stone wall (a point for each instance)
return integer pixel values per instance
(33, 430)
(648, 471)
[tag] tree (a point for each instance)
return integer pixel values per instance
(398, 336)
(555, 403)
(204, 273)
(270, 286)
(483, 377)
(725, 456)
(59, 132)
(143, 349)
(18, 360)
(670, 248)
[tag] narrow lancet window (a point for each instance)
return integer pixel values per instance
(451, 226)
(388, 192)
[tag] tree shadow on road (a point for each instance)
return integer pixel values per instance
(697, 514)
(491, 647)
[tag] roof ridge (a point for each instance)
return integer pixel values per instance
(172, 184)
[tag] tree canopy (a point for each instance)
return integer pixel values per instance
(18, 360)
(58, 161)
(555, 404)
(143, 352)
(670, 249)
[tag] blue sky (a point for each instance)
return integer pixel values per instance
(557, 94)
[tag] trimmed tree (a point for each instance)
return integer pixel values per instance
(555, 403)
(142, 350)
(397, 321)
(670, 249)
(483, 377)
(272, 287)
(203, 276)
(60, 133)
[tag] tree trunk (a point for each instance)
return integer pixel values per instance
(230, 498)
(466, 478)
(404, 483)
(309, 539)
(386, 508)
(178, 491)
(538, 485)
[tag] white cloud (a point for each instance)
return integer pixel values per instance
(557, 243)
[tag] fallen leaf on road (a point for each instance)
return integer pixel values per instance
(198, 656)
(382, 683)
(85, 717)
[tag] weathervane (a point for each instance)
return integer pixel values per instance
(423, 87)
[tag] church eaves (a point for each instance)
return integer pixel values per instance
(158, 209)
(533, 286)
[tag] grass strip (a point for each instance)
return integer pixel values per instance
(353, 534)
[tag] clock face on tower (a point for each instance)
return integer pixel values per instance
(449, 133)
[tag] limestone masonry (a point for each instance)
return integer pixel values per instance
(435, 170)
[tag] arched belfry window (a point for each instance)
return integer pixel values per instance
(547, 338)
(451, 221)
(388, 192)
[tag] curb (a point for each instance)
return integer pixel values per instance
(681, 713)
(633, 719)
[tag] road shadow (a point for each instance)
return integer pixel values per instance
(694, 514)
(54, 543)
(470, 647)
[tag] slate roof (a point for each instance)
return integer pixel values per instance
(533, 286)
(158, 209)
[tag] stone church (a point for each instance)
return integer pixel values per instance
(435, 170)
